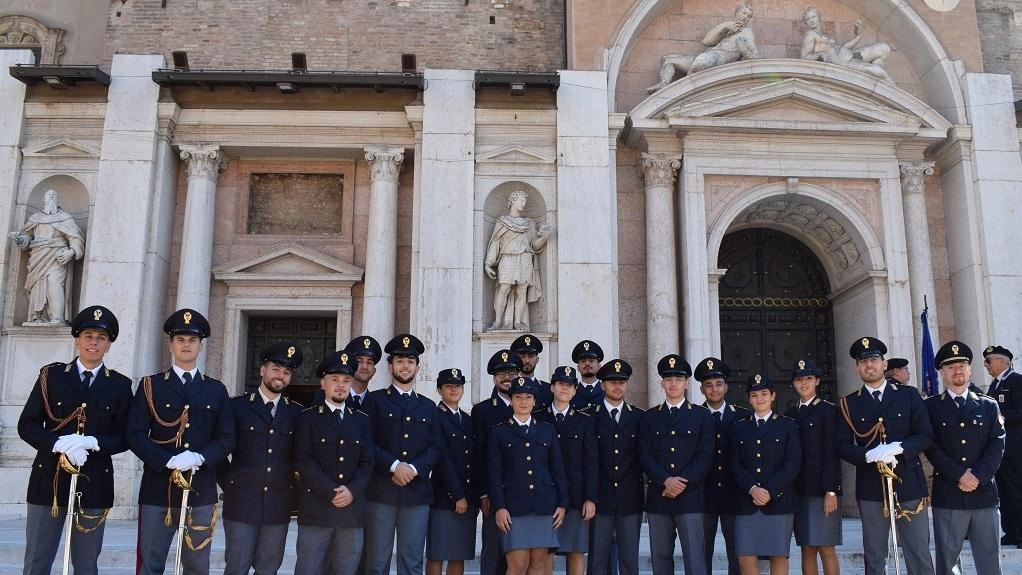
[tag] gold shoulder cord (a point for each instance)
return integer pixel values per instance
(886, 472)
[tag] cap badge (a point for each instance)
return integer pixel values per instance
(188, 317)
(758, 378)
(454, 372)
(365, 343)
(617, 366)
(709, 364)
(344, 359)
(567, 372)
(990, 349)
(503, 356)
(97, 314)
(406, 341)
(801, 364)
(954, 348)
(291, 351)
(528, 340)
(585, 345)
(865, 342)
(671, 362)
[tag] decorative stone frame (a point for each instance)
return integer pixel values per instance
(31, 34)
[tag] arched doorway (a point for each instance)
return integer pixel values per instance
(773, 311)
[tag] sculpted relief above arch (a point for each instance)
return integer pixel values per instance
(29, 33)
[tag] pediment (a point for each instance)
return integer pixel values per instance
(62, 148)
(288, 263)
(514, 154)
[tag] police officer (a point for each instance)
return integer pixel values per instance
(765, 459)
(676, 449)
(452, 516)
(1006, 390)
(366, 351)
(334, 454)
(883, 421)
(179, 421)
(503, 366)
(897, 370)
(619, 489)
(258, 480)
(76, 411)
(587, 356)
(577, 438)
(528, 347)
(968, 442)
(818, 520)
(712, 374)
(406, 433)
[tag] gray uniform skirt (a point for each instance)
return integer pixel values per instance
(763, 535)
(573, 533)
(530, 532)
(813, 527)
(451, 537)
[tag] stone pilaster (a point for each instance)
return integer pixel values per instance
(917, 235)
(205, 162)
(659, 171)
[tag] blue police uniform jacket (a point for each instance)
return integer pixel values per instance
(52, 410)
(719, 491)
(455, 475)
(821, 467)
(330, 453)
(768, 456)
(526, 471)
(970, 437)
(679, 445)
(1008, 396)
(258, 480)
(587, 399)
(577, 437)
(485, 416)
(619, 489)
(168, 417)
(905, 419)
(405, 430)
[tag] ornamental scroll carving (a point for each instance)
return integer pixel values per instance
(913, 176)
(658, 169)
(203, 161)
(384, 163)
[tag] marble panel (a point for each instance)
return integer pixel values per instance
(994, 167)
(990, 104)
(582, 108)
(12, 97)
(587, 305)
(583, 151)
(970, 312)
(119, 228)
(127, 146)
(25, 350)
(446, 325)
(449, 96)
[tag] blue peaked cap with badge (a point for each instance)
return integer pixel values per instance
(95, 317)
(186, 321)
(366, 346)
(405, 345)
(757, 382)
(867, 347)
(804, 367)
(564, 374)
(339, 362)
(452, 376)
(285, 353)
(711, 368)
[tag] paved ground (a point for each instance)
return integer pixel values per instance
(119, 552)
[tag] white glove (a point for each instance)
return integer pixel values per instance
(891, 462)
(194, 460)
(177, 462)
(65, 443)
(876, 454)
(89, 442)
(77, 456)
(186, 460)
(894, 448)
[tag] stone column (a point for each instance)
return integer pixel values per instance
(194, 275)
(917, 232)
(662, 334)
(12, 117)
(381, 244)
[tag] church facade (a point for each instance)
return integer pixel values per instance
(742, 181)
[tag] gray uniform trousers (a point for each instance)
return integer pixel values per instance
(604, 529)
(411, 524)
(727, 528)
(340, 548)
(982, 527)
(913, 538)
(689, 529)
(155, 540)
(43, 536)
(256, 547)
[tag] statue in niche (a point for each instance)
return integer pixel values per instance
(54, 241)
(729, 41)
(511, 260)
(817, 46)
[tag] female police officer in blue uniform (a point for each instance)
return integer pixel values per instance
(765, 459)
(528, 487)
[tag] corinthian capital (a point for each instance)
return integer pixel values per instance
(658, 169)
(203, 161)
(384, 163)
(913, 174)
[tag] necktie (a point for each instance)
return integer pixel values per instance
(960, 401)
(86, 378)
(356, 401)
(993, 386)
(716, 417)
(525, 429)
(188, 377)
(340, 414)
(876, 395)
(613, 414)
(560, 418)
(759, 423)
(674, 411)
(269, 408)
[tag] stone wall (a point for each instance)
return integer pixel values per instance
(349, 35)
(1000, 35)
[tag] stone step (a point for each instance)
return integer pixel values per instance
(118, 556)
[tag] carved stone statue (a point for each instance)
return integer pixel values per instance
(511, 260)
(54, 241)
(727, 42)
(817, 46)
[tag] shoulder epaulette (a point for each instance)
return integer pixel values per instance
(48, 366)
(817, 401)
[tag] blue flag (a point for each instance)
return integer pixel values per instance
(927, 367)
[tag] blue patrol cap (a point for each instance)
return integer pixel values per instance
(997, 350)
(186, 321)
(710, 368)
(406, 345)
(757, 382)
(615, 370)
(867, 347)
(673, 365)
(95, 317)
(587, 348)
(503, 360)
(522, 385)
(897, 362)
(365, 345)
(805, 367)
(453, 376)
(565, 374)
(339, 362)
(284, 353)
(951, 352)
(527, 343)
